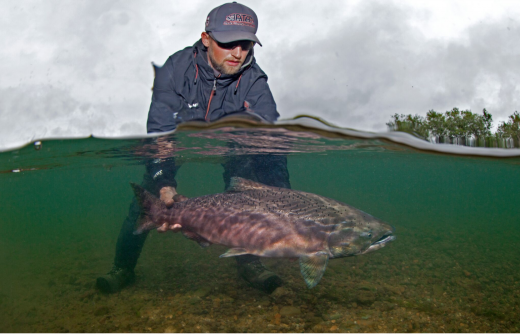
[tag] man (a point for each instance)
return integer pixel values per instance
(216, 77)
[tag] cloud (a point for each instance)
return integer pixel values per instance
(75, 68)
(376, 64)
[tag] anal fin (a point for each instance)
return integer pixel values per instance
(312, 267)
(235, 252)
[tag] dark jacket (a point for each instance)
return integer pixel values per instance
(182, 92)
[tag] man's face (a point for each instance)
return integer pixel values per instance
(226, 58)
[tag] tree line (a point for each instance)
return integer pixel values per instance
(461, 127)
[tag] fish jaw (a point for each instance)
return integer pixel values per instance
(351, 240)
(382, 242)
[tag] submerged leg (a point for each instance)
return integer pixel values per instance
(254, 272)
(129, 246)
(270, 170)
(128, 249)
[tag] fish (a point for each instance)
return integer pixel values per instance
(253, 218)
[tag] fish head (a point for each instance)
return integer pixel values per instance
(351, 238)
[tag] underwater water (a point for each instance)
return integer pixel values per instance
(454, 266)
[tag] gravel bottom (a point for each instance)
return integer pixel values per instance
(414, 285)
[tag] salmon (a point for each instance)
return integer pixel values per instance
(253, 218)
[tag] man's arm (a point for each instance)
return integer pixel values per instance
(268, 169)
(162, 172)
(165, 101)
(260, 100)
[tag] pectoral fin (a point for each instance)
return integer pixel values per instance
(312, 267)
(234, 252)
(195, 237)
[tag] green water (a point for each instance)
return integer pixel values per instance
(454, 266)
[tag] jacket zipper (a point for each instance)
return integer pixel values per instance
(213, 91)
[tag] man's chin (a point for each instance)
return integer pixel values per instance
(225, 68)
(230, 70)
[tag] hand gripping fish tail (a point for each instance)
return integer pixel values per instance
(151, 208)
(252, 218)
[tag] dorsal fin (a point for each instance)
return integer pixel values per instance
(238, 184)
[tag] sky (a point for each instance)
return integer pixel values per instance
(76, 68)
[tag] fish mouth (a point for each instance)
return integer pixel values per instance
(384, 240)
(380, 243)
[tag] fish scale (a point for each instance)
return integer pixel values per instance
(252, 218)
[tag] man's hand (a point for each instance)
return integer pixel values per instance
(165, 228)
(169, 196)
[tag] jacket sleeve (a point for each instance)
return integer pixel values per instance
(166, 102)
(161, 118)
(162, 172)
(260, 100)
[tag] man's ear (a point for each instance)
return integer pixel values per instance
(205, 38)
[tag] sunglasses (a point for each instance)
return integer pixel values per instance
(245, 45)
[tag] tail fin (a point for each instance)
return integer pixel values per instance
(149, 205)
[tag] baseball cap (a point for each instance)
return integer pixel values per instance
(232, 22)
